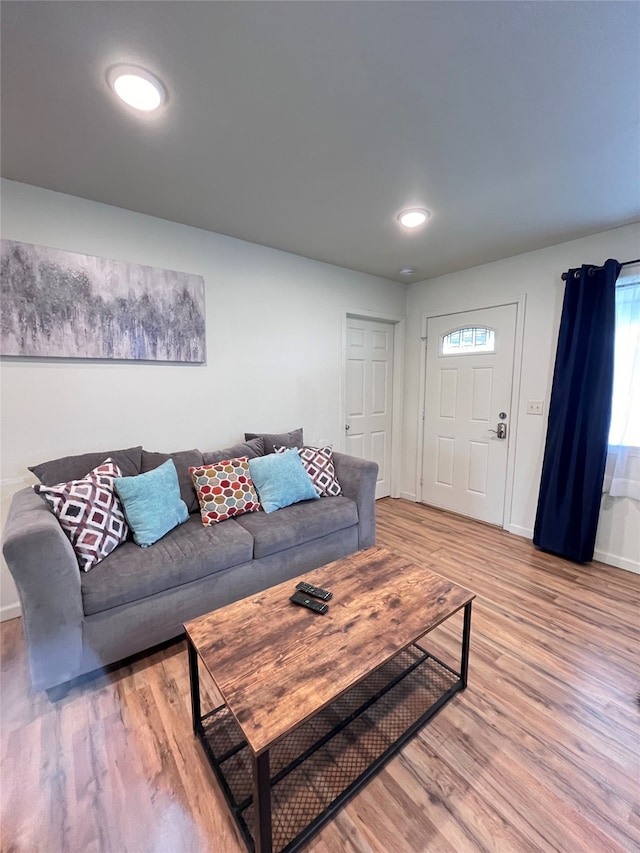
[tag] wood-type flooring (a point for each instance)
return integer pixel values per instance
(540, 753)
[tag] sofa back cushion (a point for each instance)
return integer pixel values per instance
(69, 468)
(283, 439)
(251, 449)
(183, 460)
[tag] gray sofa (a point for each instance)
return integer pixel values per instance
(76, 622)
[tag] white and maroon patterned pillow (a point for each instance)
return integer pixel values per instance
(90, 513)
(318, 463)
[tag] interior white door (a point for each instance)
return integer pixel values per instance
(369, 395)
(469, 379)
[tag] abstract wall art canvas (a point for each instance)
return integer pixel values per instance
(58, 304)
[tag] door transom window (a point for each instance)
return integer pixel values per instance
(467, 341)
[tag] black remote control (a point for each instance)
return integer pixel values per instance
(304, 601)
(315, 591)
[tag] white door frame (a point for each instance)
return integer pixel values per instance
(520, 302)
(398, 323)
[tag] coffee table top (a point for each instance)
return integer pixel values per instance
(277, 664)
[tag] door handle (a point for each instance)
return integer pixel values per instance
(501, 431)
(347, 427)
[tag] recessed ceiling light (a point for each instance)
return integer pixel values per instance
(414, 217)
(407, 271)
(136, 87)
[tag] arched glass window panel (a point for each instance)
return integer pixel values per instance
(467, 341)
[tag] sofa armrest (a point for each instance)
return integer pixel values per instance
(358, 478)
(44, 567)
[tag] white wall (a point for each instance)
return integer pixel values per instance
(274, 327)
(274, 346)
(538, 276)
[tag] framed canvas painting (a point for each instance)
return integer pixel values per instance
(59, 304)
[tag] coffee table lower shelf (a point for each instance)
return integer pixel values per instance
(315, 769)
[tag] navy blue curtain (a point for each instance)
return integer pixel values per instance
(579, 413)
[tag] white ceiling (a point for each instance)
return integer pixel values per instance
(307, 126)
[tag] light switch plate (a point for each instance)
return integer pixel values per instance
(535, 407)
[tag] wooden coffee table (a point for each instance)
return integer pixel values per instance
(314, 705)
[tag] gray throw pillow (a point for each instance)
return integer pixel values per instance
(251, 449)
(183, 460)
(69, 468)
(283, 439)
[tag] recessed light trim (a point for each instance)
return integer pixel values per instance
(414, 217)
(137, 87)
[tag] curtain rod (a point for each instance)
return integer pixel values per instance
(625, 264)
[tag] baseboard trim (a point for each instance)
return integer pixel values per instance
(519, 531)
(618, 562)
(600, 556)
(409, 496)
(10, 611)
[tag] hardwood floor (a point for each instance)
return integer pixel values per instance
(540, 753)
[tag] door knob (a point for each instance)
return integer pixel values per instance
(501, 431)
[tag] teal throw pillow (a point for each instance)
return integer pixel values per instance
(152, 503)
(281, 480)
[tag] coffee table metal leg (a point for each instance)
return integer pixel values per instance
(466, 637)
(262, 802)
(194, 680)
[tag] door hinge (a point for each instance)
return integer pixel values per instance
(423, 416)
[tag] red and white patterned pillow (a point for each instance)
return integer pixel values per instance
(90, 513)
(224, 489)
(318, 463)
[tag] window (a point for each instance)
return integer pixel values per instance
(463, 341)
(622, 478)
(625, 413)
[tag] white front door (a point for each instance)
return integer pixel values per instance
(469, 379)
(369, 394)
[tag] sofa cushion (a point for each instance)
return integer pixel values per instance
(224, 490)
(318, 463)
(152, 503)
(285, 439)
(183, 460)
(90, 513)
(189, 552)
(76, 467)
(251, 449)
(297, 524)
(280, 480)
